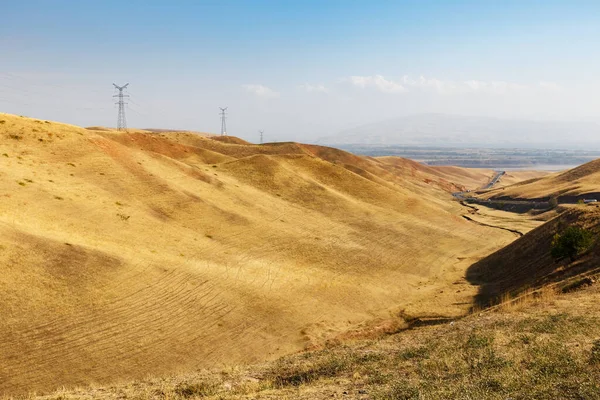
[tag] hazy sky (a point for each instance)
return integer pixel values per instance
(298, 69)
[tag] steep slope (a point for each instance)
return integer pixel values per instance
(569, 186)
(125, 254)
(527, 263)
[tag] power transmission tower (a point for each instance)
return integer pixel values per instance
(223, 124)
(121, 121)
(261, 136)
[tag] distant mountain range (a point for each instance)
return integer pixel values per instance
(463, 131)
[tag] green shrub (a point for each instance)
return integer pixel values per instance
(570, 243)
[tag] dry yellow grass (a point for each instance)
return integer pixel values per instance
(526, 265)
(521, 223)
(512, 177)
(542, 347)
(127, 254)
(567, 184)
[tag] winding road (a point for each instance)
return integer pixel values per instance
(489, 185)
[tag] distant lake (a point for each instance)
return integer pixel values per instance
(488, 158)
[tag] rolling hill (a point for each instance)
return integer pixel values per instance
(132, 253)
(568, 186)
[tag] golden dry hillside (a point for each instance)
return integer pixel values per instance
(567, 186)
(512, 177)
(127, 254)
(527, 264)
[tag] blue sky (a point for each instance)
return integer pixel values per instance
(298, 69)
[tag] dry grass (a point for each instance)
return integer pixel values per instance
(513, 177)
(526, 265)
(128, 254)
(574, 182)
(521, 222)
(546, 348)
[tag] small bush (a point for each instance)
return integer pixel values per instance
(572, 242)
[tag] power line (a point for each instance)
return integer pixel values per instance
(223, 117)
(121, 121)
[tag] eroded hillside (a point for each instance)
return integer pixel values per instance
(127, 254)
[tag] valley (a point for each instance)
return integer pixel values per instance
(136, 253)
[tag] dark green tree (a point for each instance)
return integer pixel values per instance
(573, 241)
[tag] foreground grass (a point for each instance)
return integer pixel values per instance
(548, 348)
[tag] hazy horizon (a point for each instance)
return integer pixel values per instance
(299, 71)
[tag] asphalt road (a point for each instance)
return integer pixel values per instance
(495, 179)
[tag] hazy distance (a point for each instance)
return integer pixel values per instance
(312, 70)
(470, 131)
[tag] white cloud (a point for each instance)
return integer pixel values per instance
(379, 82)
(431, 84)
(314, 88)
(448, 87)
(495, 87)
(550, 86)
(261, 91)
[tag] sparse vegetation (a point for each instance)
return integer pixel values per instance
(123, 216)
(192, 390)
(152, 296)
(532, 353)
(595, 353)
(570, 243)
(324, 365)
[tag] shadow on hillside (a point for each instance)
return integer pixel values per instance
(526, 263)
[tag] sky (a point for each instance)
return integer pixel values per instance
(298, 70)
